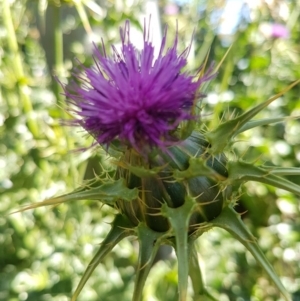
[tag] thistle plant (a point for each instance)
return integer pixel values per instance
(174, 178)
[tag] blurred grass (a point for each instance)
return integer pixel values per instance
(44, 252)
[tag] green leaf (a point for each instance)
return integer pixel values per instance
(230, 221)
(107, 193)
(282, 171)
(149, 241)
(121, 228)
(224, 133)
(267, 121)
(242, 171)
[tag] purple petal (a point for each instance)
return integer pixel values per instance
(133, 97)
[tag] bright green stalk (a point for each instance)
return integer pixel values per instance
(59, 72)
(58, 50)
(18, 68)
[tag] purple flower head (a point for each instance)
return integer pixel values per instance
(274, 30)
(280, 31)
(133, 97)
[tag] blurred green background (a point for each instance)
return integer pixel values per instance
(43, 252)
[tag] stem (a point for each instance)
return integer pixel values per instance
(59, 71)
(58, 51)
(179, 219)
(182, 255)
(195, 273)
(148, 240)
(24, 90)
(201, 294)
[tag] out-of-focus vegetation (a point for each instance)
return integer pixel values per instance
(44, 252)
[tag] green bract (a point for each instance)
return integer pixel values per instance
(171, 181)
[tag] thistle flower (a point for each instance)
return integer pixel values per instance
(274, 30)
(183, 187)
(133, 97)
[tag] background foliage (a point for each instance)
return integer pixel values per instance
(44, 252)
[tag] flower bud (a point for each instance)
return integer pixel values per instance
(161, 188)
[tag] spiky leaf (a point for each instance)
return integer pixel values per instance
(230, 221)
(108, 193)
(121, 228)
(224, 133)
(242, 171)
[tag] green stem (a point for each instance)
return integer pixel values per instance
(195, 273)
(179, 219)
(200, 292)
(148, 240)
(23, 88)
(59, 71)
(58, 51)
(182, 255)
